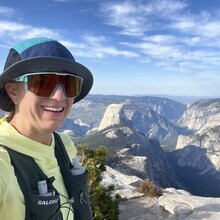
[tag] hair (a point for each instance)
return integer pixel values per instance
(6, 104)
(8, 117)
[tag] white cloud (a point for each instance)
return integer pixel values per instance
(140, 19)
(125, 15)
(8, 27)
(198, 27)
(164, 8)
(6, 11)
(98, 47)
(135, 19)
(191, 42)
(18, 31)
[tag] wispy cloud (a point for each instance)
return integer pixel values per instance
(14, 31)
(138, 18)
(165, 38)
(161, 32)
(190, 44)
(204, 24)
(133, 18)
(126, 17)
(6, 11)
(97, 47)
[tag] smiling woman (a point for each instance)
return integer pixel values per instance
(40, 82)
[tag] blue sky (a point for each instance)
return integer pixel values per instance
(136, 47)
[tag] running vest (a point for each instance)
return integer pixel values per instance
(39, 207)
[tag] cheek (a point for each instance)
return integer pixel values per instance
(69, 104)
(28, 103)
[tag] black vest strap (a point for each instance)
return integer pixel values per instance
(76, 186)
(26, 178)
(63, 161)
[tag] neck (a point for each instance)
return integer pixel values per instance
(42, 137)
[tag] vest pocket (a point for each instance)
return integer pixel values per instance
(45, 207)
(80, 194)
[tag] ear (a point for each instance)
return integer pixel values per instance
(11, 89)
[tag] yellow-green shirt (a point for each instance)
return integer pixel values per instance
(11, 197)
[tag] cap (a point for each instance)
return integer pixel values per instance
(39, 55)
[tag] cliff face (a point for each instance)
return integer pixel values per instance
(202, 119)
(140, 155)
(196, 158)
(138, 133)
(194, 165)
(141, 119)
(201, 113)
(112, 116)
(152, 116)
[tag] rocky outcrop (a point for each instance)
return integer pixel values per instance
(201, 113)
(153, 125)
(114, 115)
(173, 204)
(195, 162)
(202, 119)
(141, 119)
(142, 156)
(196, 158)
(156, 114)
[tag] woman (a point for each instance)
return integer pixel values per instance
(40, 82)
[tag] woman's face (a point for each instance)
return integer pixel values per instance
(38, 115)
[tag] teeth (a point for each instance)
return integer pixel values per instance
(52, 109)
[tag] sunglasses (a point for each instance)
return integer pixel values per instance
(44, 83)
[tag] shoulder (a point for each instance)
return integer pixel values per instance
(4, 158)
(5, 169)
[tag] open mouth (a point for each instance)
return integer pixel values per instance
(53, 109)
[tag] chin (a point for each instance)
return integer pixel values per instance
(53, 127)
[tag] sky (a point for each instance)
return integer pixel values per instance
(134, 47)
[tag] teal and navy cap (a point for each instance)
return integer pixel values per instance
(39, 55)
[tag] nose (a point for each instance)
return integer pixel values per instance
(58, 93)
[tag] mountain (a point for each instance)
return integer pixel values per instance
(153, 116)
(201, 119)
(135, 153)
(180, 153)
(198, 150)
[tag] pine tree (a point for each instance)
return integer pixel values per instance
(103, 205)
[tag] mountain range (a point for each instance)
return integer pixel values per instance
(174, 144)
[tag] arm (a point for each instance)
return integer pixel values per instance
(5, 170)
